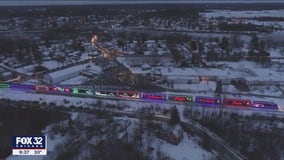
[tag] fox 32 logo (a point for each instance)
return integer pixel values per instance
(29, 144)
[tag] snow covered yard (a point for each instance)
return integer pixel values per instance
(207, 87)
(126, 129)
(187, 149)
(244, 14)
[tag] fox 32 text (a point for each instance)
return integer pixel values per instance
(29, 145)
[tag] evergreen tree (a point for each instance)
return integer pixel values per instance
(38, 56)
(193, 45)
(262, 45)
(218, 89)
(200, 47)
(254, 42)
(224, 43)
(217, 40)
(236, 41)
(174, 116)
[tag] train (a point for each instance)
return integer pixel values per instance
(137, 95)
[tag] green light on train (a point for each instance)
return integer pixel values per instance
(60, 89)
(4, 85)
(75, 90)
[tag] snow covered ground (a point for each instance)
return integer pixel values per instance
(266, 90)
(187, 149)
(243, 14)
(51, 144)
(57, 99)
(202, 87)
(265, 23)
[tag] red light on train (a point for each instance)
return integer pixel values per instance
(207, 100)
(236, 103)
(180, 99)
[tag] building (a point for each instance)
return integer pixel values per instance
(64, 74)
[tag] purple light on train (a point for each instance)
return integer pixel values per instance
(208, 101)
(154, 96)
(22, 87)
(264, 105)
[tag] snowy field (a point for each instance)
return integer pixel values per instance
(51, 143)
(57, 99)
(187, 149)
(265, 23)
(243, 14)
(202, 87)
(276, 53)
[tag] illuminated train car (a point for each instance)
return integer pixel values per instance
(61, 89)
(151, 96)
(41, 88)
(179, 98)
(82, 91)
(264, 105)
(208, 101)
(106, 93)
(4, 85)
(244, 103)
(22, 87)
(127, 94)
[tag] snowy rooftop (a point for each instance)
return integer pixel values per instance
(68, 70)
(73, 81)
(198, 72)
(52, 64)
(73, 69)
(26, 69)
